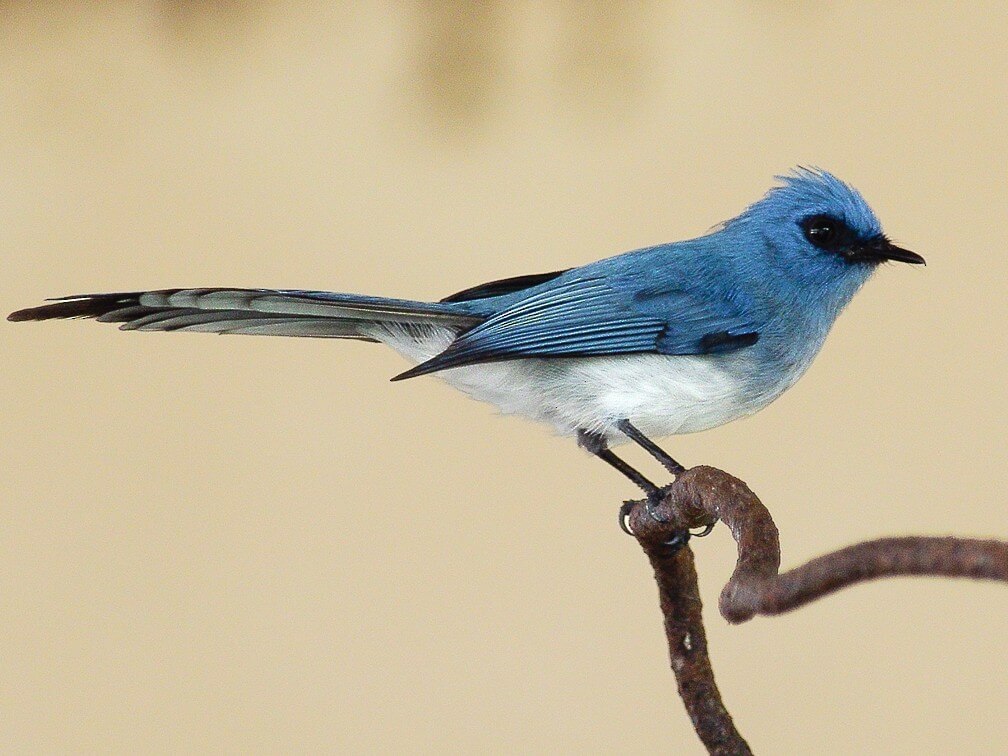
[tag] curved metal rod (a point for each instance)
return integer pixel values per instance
(702, 496)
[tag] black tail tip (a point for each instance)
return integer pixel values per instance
(413, 372)
(401, 376)
(19, 316)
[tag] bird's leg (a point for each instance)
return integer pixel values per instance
(596, 444)
(631, 432)
(634, 434)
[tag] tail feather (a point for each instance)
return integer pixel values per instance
(83, 306)
(273, 312)
(120, 315)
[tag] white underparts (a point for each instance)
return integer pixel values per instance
(662, 395)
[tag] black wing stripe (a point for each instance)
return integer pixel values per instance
(502, 286)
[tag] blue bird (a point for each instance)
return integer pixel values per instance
(669, 339)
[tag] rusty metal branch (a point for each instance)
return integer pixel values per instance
(679, 597)
(703, 495)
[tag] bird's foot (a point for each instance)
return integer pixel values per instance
(652, 502)
(706, 531)
(651, 506)
(676, 542)
(624, 515)
(654, 497)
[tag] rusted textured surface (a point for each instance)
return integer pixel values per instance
(687, 642)
(703, 495)
(747, 595)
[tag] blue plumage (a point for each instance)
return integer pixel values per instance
(669, 339)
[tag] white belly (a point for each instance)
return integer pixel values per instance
(662, 395)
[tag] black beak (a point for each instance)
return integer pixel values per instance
(881, 249)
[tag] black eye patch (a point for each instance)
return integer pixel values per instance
(828, 232)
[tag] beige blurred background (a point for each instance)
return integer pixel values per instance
(260, 545)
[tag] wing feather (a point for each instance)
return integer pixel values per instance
(597, 315)
(581, 317)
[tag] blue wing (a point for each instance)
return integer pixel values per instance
(587, 316)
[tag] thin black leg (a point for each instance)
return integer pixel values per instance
(596, 444)
(634, 434)
(628, 429)
(606, 455)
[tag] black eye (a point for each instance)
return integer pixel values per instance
(826, 232)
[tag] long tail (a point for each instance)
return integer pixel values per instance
(270, 312)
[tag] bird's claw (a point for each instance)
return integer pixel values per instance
(706, 531)
(624, 514)
(680, 539)
(649, 506)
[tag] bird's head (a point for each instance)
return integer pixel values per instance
(818, 229)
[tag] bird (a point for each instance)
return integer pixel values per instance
(670, 339)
